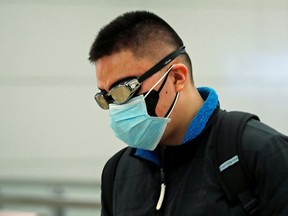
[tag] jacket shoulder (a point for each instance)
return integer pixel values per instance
(261, 138)
(266, 154)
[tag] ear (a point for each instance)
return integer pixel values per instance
(181, 76)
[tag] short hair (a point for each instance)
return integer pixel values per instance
(137, 31)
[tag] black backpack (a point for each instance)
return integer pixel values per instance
(233, 174)
(234, 177)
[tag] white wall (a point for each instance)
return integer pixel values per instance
(50, 125)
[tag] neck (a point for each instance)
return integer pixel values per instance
(177, 133)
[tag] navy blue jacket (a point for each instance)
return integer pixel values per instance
(192, 185)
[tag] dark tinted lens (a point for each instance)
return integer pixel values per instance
(102, 102)
(120, 94)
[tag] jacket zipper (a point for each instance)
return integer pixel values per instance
(162, 181)
(162, 191)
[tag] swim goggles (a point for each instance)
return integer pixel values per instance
(124, 91)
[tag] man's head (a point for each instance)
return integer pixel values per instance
(143, 33)
(132, 44)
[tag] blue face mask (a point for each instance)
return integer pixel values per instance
(133, 125)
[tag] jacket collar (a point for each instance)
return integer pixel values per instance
(199, 122)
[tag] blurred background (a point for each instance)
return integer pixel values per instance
(54, 140)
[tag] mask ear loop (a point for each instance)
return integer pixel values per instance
(173, 105)
(170, 68)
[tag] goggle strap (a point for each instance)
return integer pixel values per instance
(170, 57)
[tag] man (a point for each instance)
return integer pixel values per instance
(145, 80)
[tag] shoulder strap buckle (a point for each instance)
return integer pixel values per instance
(249, 203)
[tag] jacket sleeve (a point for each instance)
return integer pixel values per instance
(266, 152)
(107, 189)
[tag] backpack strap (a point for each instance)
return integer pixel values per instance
(107, 183)
(234, 176)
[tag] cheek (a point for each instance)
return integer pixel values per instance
(165, 101)
(148, 84)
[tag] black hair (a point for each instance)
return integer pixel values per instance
(137, 31)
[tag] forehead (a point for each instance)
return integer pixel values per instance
(111, 69)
